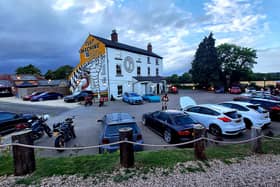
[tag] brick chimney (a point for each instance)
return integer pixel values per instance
(149, 47)
(114, 36)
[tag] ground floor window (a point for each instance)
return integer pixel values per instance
(120, 89)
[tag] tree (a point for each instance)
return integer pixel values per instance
(29, 69)
(62, 72)
(173, 79)
(185, 78)
(205, 66)
(49, 74)
(236, 62)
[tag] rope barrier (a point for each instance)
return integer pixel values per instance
(135, 143)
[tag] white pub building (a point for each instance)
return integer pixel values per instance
(110, 68)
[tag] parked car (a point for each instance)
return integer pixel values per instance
(151, 98)
(10, 122)
(172, 125)
(110, 131)
(173, 89)
(78, 96)
(46, 96)
(235, 90)
(28, 97)
(220, 90)
(272, 106)
(132, 98)
(219, 120)
(253, 114)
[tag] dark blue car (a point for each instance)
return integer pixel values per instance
(46, 96)
(110, 131)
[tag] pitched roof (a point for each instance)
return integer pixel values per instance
(155, 79)
(125, 47)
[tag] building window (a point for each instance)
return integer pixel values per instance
(149, 71)
(120, 91)
(156, 71)
(118, 69)
(157, 61)
(138, 71)
(86, 54)
(148, 60)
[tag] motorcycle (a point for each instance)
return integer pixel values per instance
(39, 127)
(63, 131)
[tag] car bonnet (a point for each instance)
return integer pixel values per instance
(186, 101)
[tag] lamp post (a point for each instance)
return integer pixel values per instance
(264, 79)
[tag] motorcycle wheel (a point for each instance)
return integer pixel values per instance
(48, 131)
(60, 143)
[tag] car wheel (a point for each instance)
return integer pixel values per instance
(167, 136)
(248, 123)
(215, 130)
(41, 99)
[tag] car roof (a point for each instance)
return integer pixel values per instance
(116, 118)
(267, 100)
(218, 108)
(239, 103)
(173, 111)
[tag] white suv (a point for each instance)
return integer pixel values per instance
(219, 120)
(253, 114)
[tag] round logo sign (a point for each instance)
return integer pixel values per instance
(128, 64)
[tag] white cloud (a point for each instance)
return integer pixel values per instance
(62, 5)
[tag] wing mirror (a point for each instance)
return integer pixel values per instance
(99, 120)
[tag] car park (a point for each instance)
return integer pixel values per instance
(132, 98)
(76, 97)
(151, 98)
(10, 121)
(173, 125)
(253, 114)
(272, 106)
(46, 96)
(28, 97)
(111, 124)
(219, 120)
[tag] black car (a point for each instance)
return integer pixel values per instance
(10, 121)
(270, 105)
(78, 96)
(173, 125)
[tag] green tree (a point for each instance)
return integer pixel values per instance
(236, 62)
(49, 74)
(185, 78)
(29, 69)
(205, 66)
(62, 72)
(173, 79)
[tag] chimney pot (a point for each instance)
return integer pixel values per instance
(114, 36)
(149, 47)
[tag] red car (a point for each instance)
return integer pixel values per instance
(235, 90)
(173, 89)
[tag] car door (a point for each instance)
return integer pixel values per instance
(164, 120)
(153, 120)
(8, 122)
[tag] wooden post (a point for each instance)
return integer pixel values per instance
(126, 149)
(199, 146)
(256, 144)
(24, 158)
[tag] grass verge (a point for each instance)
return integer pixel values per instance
(145, 162)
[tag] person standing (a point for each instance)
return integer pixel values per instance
(164, 100)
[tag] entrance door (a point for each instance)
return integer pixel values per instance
(158, 91)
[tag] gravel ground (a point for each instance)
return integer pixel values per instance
(257, 170)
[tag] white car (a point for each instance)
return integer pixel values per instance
(219, 120)
(253, 114)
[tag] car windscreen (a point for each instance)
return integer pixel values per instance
(113, 130)
(257, 108)
(133, 95)
(232, 115)
(183, 120)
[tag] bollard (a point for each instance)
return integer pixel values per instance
(126, 149)
(24, 158)
(256, 144)
(199, 146)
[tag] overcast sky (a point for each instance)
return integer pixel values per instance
(49, 33)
